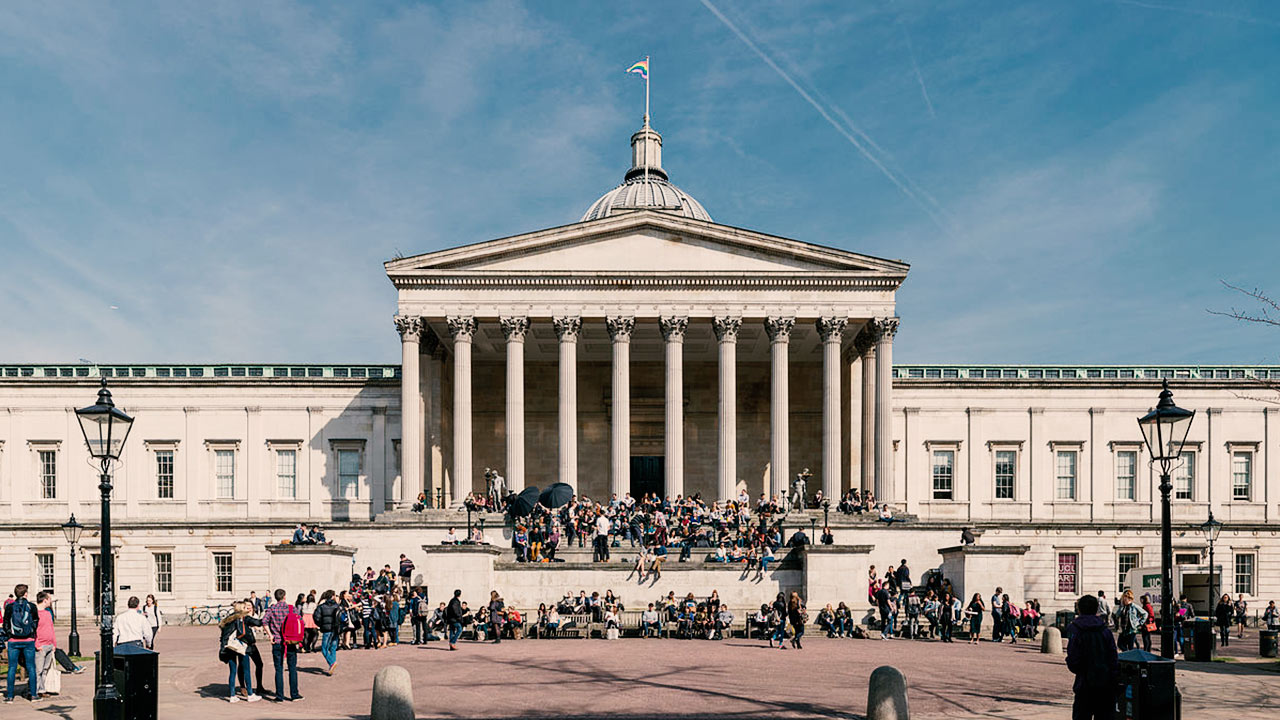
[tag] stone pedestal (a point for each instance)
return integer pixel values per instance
(299, 568)
(835, 574)
(982, 568)
(468, 568)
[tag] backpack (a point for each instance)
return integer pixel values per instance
(422, 609)
(21, 623)
(293, 630)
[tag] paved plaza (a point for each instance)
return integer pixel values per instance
(631, 679)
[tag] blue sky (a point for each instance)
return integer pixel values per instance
(220, 182)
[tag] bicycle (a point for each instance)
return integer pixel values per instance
(205, 614)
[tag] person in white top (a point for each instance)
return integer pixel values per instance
(132, 627)
(602, 538)
(155, 618)
(451, 538)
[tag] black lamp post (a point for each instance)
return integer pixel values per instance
(105, 429)
(1211, 528)
(826, 509)
(72, 529)
(1165, 429)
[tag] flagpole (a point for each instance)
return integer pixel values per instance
(646, 90)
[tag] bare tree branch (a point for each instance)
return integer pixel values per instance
(1265, 315)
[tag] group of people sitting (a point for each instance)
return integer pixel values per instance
(302, 535)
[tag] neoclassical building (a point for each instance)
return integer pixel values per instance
(644, 348)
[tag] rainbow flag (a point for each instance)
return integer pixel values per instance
(641, 68)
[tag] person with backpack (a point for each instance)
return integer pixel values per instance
(419, 611)
(328, 622)
(1092, 658)
(287, 633)
(20, 623)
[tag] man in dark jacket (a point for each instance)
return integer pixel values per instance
(453, 618)
(326, 617)
(1092, 657)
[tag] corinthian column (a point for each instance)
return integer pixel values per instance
(673, 332)
(410, 329)
(831, 331)
(887, 327)
(779, 330)
(620, 448)
(865, 344)
(727, 476)
(463, 330)
(567, 329)
(514, 328)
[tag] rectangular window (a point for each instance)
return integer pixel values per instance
(1126, 475)
(1069, 573)
(349, 474)
(164, 572)
(943, 474)
(44, 570)
(287, 473)
(225, 471)
(164, 474)
(1125, 562)
(1241, 475)
(1066, 473)
(1184, 477)
(222, 572)
(1187, 559)
(1006, 464)
(48, 474)
(1244, 573)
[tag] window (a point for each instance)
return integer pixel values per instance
(222, 572)
(1241, 475)
(1126, 475)
(1006, 464)
(164, 572)
(164, 474)
(1066, 473)
(1069, 573)
(1244, 573)
(287, 473)
(44, 570)
(225, 471)
(943, 474)
(48, 474)
(1184, 477)
(1125, 562)
(349, 474)
(1187, 559)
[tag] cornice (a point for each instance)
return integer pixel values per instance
(447, 280)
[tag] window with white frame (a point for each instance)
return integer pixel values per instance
(1006, 466)
(1126, 560)
(44, 570)
(1065, 466)
(287, 473)
(944, 462)
(349, 473)
(222, 572)
(1184, 477)
(1241, 475)
(164, 571)
(1126, 475)
(1069, 573)
(224, 471)
(48, 460)
(1244, 563)
(164, 474)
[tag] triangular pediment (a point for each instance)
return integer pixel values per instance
(646, 242)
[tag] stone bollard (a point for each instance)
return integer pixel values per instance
(1051, 641)
(887, 695)
(392, 694)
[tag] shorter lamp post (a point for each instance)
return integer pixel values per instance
(1210, 529)
(481, 532)
(826, 509)
(1165, 430)
(813, 530)
(72, 529)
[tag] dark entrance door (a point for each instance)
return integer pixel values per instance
(647, 475)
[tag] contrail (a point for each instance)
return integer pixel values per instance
(1201, 13)
(853, 140)
(911, 51)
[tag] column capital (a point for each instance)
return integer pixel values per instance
(410, 327)
(779, 328)
(726, 328)
(462, 327)
(567, 328)
(673, 327)
(831, 329)
(514, 328)
(620, 327)
(885, 328)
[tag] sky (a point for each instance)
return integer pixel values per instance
(208, 182)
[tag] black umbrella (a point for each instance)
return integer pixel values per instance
(556, 495)
(523, 503)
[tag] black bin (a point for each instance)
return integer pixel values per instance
(1267, 643)
(1202, 637)
(1147, 689)
(137, 673)
(1063, 621)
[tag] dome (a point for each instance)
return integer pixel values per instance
(645, 186)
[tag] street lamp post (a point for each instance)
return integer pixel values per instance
(1211, 528)
(1165, 430)
(72, 529)
(105, 429)
(826, 508)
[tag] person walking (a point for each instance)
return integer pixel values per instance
(1222, 615)
(974, 613)
(1242, 614)
(1092, 658)
(1149, 623)
(997, 615)
(497, 615)
(419, 611)
(1129, 618)
(946, 617)
(453, 618)
(49, 681)
(327, 622)
(406, 572)
(884, 603)
(796, 616)
(20, 625)
(155, 618)
(285, 626)
(235, 639)
(132, 627)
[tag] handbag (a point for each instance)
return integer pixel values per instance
(237, 646)
(1150, 626)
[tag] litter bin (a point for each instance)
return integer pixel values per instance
(1147, 689)
(1202, 650)
(1063, 620)
(1267, 643)
(137, 673)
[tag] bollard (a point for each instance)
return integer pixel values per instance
(1051, 641)
(392, 694)
(887, 695)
